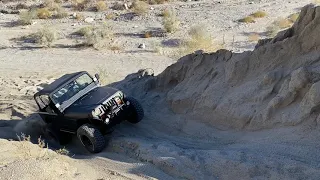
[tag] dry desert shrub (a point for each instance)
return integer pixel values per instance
(170, 22)
(79, 17)
(26, 17)
(293, 17)
(44, 36)
(140, 7)
(259, 14)
(248, 19)
(20, 6)
(200, 39)
(165, 13)
(101, 6)
(283, 23)
(60, 13)
(84, 31)
(44, 13)
(81, 5)
(278, 25)
(118, 6)
(253, 37)
(110, 16)
(98, 37)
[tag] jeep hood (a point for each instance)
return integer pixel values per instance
(83, 107)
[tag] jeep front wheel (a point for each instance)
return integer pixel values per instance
(91, 138)
(136, 113)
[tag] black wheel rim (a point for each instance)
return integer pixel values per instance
(87, 143)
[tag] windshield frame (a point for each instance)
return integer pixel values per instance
(75, 97)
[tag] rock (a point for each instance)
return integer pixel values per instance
(34, 22)
(151, 8)
(89, 20)
(298, 79)
(126, 6)
(142, 46)
(74, 15)
(311, 100)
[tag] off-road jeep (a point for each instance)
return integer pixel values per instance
(76, 104)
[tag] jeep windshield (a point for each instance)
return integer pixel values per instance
(72, 88)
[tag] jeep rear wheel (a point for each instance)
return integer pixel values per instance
(136, 111)
(91, 138)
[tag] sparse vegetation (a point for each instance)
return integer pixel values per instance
(26, 17)
(44, 36)
(140, 7)
(79, 17)
(283, 23)
(60, 13)
(293, 17)
(62, 151)
(98, 37)
(85, 31)
(110, 16)
(259, 14)
(118, 6)
(272, 30)
(44, 13)
(80, 5)
(200, 39)
(166, 13)
(248, 19)
(170, 22)
(101, 6)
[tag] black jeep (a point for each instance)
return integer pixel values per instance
(76, 104)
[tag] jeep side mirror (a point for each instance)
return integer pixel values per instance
(97, 76)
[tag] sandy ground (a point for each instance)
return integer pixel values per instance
(165, 145)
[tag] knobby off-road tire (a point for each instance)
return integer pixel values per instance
(91, 138)
(136, 111)
(62, 138)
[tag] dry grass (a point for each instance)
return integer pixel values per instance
(283, 23)
(200, 39)
(99, 37)
(81, 5)
(259, 14)
(254, 37)
(60, 13)
(26, 17)
(79, 17)
(248, 19)
(293, 17)
(62, 151)
(277, 25)
(101, 6)
(272, 30)
(166, 13)
(110, 16)
(170, 22)
(85, 31)
(118, 6)
(44, 36)
(44, 13)
(140, 7)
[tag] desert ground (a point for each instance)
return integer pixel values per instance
(241, 109)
